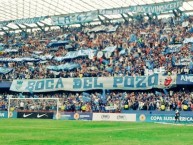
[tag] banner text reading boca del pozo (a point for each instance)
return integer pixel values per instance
(93, 83)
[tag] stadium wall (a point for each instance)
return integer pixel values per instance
(5, 85)
(73, 116)
(35, 115)
(167, 118)
(4, 114)
(130, 116)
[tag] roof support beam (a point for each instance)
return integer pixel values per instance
(155, 16)
(102, 22)
(179, 12)
(175, 13)
(40, 27)
(129, 16)
(10, 28)
(124, 17)
(62, 28)
(149, 16)
(45, 24)
(27, 26)
(4, 31)
(19, 27)
(106, 20)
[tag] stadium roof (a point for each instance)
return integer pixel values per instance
(21, 9)
(17, 9)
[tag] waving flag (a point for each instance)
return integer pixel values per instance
(4, 70)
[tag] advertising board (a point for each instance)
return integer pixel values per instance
(114, 117)
(4, 114)
(168, 118)
(35, 115)
(73, 116)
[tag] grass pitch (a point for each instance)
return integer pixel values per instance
(59, 132)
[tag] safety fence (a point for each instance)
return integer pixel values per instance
(144, 116)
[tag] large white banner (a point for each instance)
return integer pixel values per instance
(93, 83)
(74, 18)
(167, 81)
(188, 40)
(150, 8)
(114, 117)
(80, 84)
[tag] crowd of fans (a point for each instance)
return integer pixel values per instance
(140, 46)
(99, 102)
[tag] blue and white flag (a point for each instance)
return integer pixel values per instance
(122, 52)
(58, 43)
(183, 62)
(98, 28)
(191, 65)
(133, 38)
(1, 46)
(188, 40)
(21, 95)
(86, 99)
(173, 60)
(75, 54)
(68, 46)
(27, 59)
(157, 93)
(149, 64)
(112, 28)
(4, 70)
(102, 96)
(2, 59)
(165, 92)
(85, 94)
(59, 58)
(173, 48)
(54, 48)
(10, 50)
(43, 57)
(17, 59)
(38, 52)
(42, 62)
(191, 30)
(110, 49)
(103, 28)
(67, 66)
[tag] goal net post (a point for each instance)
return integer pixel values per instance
(40, 108)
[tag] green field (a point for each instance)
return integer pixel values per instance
(58, 132)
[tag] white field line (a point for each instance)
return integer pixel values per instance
(164, 123)
(84, 130)
(120, 129)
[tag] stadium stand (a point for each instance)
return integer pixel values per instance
(141, 47)
(137, 48)
(98, 102)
